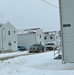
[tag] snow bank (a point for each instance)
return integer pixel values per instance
(37, 64)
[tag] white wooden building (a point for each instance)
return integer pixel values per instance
(30, 36)
(67, 29)
(8, 37)
(51, 36)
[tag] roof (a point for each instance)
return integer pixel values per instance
(26, 32)
(3, 23)
(50, 33)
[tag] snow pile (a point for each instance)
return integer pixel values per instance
(13, 54)
(37, 64)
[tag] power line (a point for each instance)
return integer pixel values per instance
(49, 4)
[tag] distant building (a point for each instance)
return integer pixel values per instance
(51, 36)
(28, 37)
(8, 37)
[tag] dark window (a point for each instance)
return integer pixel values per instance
(45, 38)
(50, 44)
(51, 37)
(8, 32)
(40, 36)
(14, 41)
(14, 31)
(56, 37)
(9, 44)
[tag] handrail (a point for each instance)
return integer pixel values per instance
(57, 52)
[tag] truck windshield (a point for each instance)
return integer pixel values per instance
(50, 44)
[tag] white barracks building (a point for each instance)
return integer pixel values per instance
(8, 37)
(27, 37)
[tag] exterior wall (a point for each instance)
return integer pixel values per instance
(0, 38)
(51, 37)
(8, 39)
(46, 38)
(67, 29)
(26, 39)
(39, 36)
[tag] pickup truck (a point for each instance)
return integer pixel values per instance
(51, 45)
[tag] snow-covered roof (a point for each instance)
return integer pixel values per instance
(3, 23)
(26, 32)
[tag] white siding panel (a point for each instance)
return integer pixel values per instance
(69, 48)
(67, 12)
(69, 52)
(68, 37)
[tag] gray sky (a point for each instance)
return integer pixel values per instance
(24, 14)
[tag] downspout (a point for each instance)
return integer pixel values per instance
(62, 41)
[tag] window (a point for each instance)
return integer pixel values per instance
(14, 31)
(8, 32)
(56, 37)
(14, 41)
(51, 37)
(45, 38)
(40, 36)
(9, 44)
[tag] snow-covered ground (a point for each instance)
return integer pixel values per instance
(11, 54)
(37, 64)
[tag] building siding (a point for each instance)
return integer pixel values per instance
(26, 39)
(67, 28)
(6, 39)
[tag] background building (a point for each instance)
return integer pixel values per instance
(27, 37)
(51, 36)
(8, 37)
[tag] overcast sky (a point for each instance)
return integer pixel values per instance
(24, 14)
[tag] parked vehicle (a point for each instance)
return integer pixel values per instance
(36, 48)
(21, 48)
(51, 46)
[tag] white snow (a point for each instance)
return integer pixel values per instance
(11, 54)
(37, 64)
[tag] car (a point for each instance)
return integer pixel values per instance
(21, 48)
(50, 46)
(36, 48)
